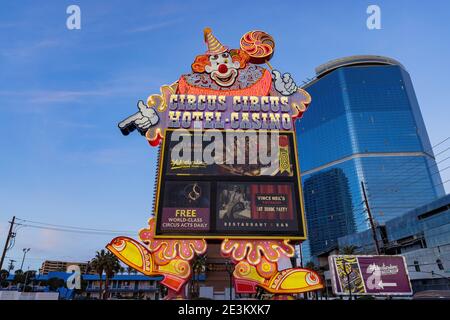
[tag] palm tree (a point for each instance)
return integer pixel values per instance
(98, 265)
(4, 274)
(19, 278)
(310, 265)
(129, 270)
(111, 267)
(198, 267)
(55, 283)
(349, 250)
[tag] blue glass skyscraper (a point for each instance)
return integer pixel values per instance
(364, 124)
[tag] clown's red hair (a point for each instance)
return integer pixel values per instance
(203, 60)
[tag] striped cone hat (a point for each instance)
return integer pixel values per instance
(214, 45)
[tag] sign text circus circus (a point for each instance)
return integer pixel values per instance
(228, 89)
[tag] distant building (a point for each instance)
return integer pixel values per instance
(421, 235)
(121, 286)
(60, 266)
(125, 286)
(363, 124)
(328, 191)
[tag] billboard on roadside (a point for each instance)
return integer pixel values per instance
(369, 275)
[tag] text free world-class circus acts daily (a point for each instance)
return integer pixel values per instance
(186, 222)
(242, 112)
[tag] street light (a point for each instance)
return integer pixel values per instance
(25, 251)
(230, 269)
(26, 276)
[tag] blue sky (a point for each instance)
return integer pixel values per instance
(62, 93)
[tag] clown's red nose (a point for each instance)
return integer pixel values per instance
(223, 68)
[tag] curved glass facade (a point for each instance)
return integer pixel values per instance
(364, 124)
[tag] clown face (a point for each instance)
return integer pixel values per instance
(222, 69)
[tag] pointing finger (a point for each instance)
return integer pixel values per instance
(130, 120)
(141, 121)
(141, 105)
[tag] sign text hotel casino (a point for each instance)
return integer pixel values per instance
(230, 112)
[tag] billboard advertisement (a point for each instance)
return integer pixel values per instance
(369, 275)
(256, 207)
(229, 198)
(282, 166)
(186, 206)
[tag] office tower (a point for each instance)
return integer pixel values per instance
(364, 124)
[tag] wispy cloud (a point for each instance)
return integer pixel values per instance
(107, 157)
(133, 81)
(66, 96)
(51, 96)
(29, 49)
(73, 125)
(156, 26)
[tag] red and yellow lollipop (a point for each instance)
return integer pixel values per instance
(259, 46)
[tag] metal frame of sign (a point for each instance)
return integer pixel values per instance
(333, 267)
(295, 180)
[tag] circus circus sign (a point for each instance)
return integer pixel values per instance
(233, 118)
(227, 89)
(227, 170)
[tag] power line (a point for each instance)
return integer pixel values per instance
(77, 231)
(432, 148)
(441, 183)
(413, 173)
(72, 227)
(403, 165)
(435, 164)
(439, 171)
(415, 182)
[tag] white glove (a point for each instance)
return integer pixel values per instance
(284, 84)
(149, 117)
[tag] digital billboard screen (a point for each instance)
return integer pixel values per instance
(256, 207)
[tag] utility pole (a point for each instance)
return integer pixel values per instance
(11, 265)
(372, 224)
(8, 238)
